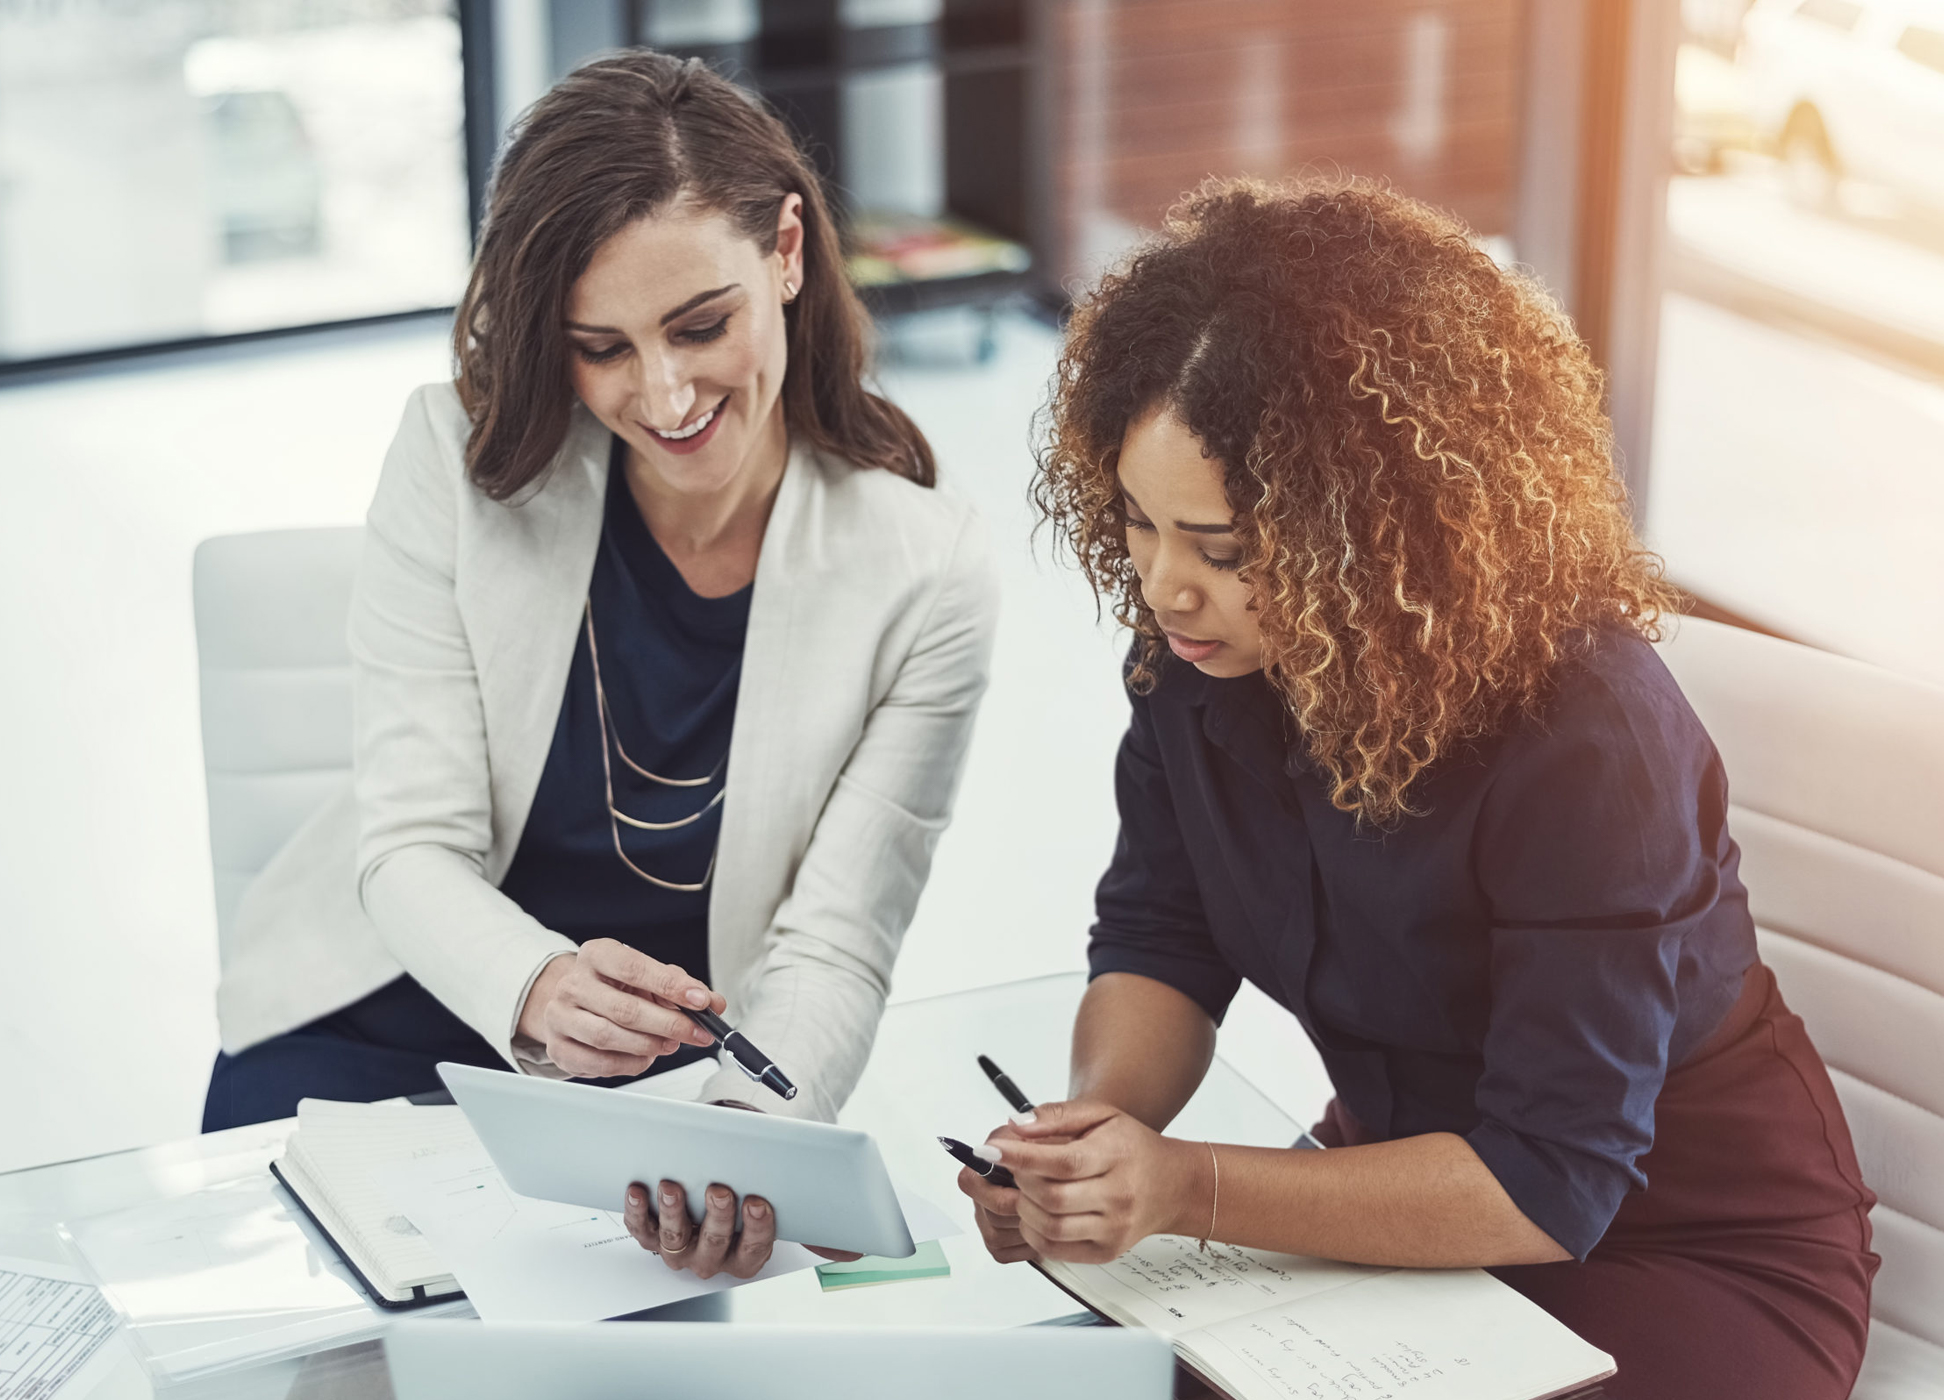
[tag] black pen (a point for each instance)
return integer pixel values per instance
(966, 1157)
(1003, 1083)
(748, 1058)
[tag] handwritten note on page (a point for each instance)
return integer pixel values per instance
(1169, 1284)
(1409, 1335)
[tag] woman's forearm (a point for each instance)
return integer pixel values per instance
(1141, 1046)
(1419, 1202)
(1423, 1202)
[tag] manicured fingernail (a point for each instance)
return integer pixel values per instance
(986, 1152)
(637, 1196)
(696, 997)
(1027, 1117)
(756, 1210)
(668, 1198)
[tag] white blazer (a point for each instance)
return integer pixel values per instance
(870, 632)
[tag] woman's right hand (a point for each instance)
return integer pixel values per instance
(608, 1010)
(997, 1210)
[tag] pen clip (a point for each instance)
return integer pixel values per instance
(733, 1053)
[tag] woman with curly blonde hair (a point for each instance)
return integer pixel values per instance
(1401, 754)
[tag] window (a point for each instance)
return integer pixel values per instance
(1800, 398)
(191, 168)
(1926, 46)
(1837, 14)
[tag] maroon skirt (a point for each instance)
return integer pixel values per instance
(1743, 1271)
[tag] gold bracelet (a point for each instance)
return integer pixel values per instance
(1215, 1196)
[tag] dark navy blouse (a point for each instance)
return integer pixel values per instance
(1521, 964)
(671, 662)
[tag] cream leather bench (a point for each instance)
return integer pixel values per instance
(1836, 787)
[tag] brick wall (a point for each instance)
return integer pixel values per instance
(1151, 96)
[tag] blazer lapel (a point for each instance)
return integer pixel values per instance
(764, 787)
(521, 598)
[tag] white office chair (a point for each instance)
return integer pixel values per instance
(1836, 780)
(276, 691)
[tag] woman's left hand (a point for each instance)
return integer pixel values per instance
(663, 1227)
(1094, 1182)
(715, 1246)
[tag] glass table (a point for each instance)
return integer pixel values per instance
(922, 1080)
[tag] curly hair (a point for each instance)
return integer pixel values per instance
(1413, 444)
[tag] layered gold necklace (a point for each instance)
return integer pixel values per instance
(616, 817)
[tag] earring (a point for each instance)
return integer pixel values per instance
(789, 293)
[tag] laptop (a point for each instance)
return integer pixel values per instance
(456, 1359)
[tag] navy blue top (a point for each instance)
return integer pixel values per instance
(1520, 965)
(671, 662)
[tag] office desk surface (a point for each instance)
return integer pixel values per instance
(922, 1080)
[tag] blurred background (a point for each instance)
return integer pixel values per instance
(231, 232)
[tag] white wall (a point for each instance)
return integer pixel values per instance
(107, 1024)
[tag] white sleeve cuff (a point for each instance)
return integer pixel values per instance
(528, 1055)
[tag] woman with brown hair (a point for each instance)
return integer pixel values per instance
(666, 652)
(1401, 754)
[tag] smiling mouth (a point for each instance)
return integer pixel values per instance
(684, 433)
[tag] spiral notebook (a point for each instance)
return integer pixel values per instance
(1261, 1326)
(331, 1166)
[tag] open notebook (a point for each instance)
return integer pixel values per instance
(332, 1164)
(1261, 1326)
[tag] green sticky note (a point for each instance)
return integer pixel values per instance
(928, 1262)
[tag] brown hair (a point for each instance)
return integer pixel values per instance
(1413, 444)
(617, 140)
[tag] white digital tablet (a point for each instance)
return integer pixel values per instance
(451, 1359)
(560, 1141)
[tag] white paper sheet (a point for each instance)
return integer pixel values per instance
(230, 1275)
(520, 1259)
(54, 1331)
